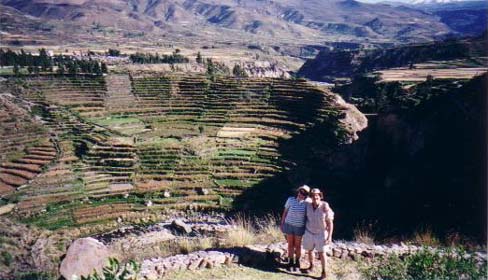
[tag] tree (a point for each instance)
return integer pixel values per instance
(44, 59)
(60, 70)
(199, 58)
(73, 67)
(104, 68)
(210, 68)
(16, 70)
(113, 52)
(3, 61)
(238, 71)
(96, 69)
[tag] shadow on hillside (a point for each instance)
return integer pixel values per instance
(424, 170)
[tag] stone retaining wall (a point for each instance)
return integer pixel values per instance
(157, 267)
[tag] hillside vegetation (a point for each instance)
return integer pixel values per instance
(120, 142)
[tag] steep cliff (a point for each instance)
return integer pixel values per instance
(331, 64)
(422, 160)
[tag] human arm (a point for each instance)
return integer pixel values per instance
(283, 216)
(329, 222)
(285, 212)
(330, 227)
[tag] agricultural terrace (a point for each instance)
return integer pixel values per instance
(91, 149)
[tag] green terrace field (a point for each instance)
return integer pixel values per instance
(101, 148)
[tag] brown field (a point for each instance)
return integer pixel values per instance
(418, 75)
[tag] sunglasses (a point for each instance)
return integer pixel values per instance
(303, 193)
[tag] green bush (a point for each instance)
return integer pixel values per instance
(426, 264)
(6, 258)
(116, 271)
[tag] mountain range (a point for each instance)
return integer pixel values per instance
(278, 19)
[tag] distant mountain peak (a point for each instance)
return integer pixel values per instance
(434, 2)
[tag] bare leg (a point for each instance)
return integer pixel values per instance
(291, 252)
(323, 262)
(310, 260)
(298, 251)
(291, 246)
(298, 246)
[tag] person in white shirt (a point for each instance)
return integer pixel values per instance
(293, 226)
(319, 227)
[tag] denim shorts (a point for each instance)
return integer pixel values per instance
(293, 230)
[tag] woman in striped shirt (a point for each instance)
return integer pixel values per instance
(293, 225)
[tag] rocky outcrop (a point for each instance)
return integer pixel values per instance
(354, 120)
(265, 69)
(83, 257)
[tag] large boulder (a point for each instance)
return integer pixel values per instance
(83, 257)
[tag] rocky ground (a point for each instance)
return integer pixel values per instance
(181, 248)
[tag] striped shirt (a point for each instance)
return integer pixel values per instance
(296, 212)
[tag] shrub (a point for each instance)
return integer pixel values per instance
(186, 245)
(6, 258)
(242, 234)
(113, 52)
(115, 271)
(389, 267)
(425, 237)
(363, 233)
(269, 230)
(238, 71)
(427, 264)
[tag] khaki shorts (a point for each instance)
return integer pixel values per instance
(314, 241)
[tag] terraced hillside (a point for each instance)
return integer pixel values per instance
(125, 146)
(25, 147)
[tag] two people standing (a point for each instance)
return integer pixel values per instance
(307, 216)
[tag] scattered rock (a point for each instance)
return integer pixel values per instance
(156, 267)
(7, 208)
(181, 226)
(166, 194)
(83, 256)
(202, 191)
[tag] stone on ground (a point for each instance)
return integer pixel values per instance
(83, 257)
(181, 226)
